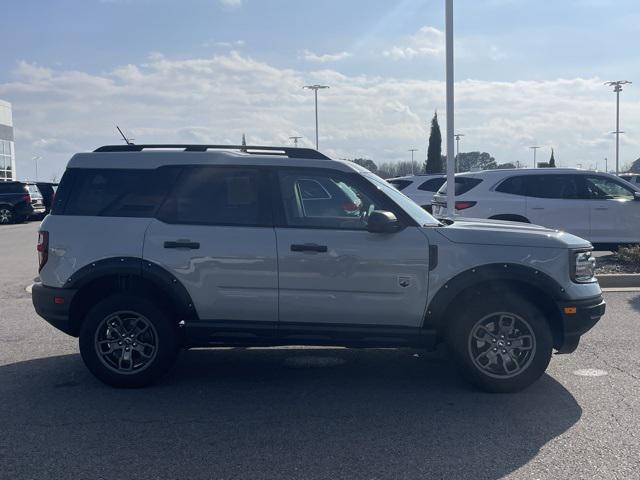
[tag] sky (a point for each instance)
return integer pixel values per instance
(528, 72)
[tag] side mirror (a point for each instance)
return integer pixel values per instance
(636, 195)
(381, 221)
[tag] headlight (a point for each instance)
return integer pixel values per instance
(583, 267)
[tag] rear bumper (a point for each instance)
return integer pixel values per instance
(578, 317)
(53, 304)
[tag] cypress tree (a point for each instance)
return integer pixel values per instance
(552, 160)
(434, 151)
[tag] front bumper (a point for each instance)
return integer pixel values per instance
(53, 304)
(578, 317)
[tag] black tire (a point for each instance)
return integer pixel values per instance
(484, 317)
(7, 215)
(145, 364)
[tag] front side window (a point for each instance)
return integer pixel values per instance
(343, 205)
(603, 188)
(210, 195)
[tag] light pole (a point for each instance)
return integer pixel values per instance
(35, 159)
(617, 88)
(315, 89)
(451, 168)
(458, 135)
(606, 165)
(295, 140)
(412, 150)
(535, 149)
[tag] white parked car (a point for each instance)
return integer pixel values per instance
(633, 178)
(597, 206)
(419, 188)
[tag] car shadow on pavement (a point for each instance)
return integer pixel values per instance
(274, 413)
(635, 303)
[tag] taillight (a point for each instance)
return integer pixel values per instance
(43, 248)
(464, 205)
(27, 198)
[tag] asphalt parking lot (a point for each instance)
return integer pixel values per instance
(309, 413)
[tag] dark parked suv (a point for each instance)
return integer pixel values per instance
(16, 203)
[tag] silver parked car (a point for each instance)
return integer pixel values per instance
(148, 250)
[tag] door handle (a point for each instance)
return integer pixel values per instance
(308, 247)
(182, 244)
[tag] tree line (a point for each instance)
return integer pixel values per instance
(436, 162)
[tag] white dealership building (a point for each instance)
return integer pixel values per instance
(7, 151)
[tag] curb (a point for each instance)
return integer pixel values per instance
(619, 280)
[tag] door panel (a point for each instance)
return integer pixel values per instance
(215, 235)
(362, 278)
(231, 276)
(615, 215)
(557, 201)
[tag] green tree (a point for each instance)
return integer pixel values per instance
(552, 160)
(468, 161)
(434, 151)
(366, 163)
(505, 165)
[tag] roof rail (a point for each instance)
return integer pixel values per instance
(290, 152)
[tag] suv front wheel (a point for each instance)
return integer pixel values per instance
(502, 344)
(127, 341)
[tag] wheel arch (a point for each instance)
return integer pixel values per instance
(497, 279)
(97, 280)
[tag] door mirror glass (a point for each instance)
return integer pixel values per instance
(381, 221)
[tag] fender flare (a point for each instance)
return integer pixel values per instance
(491, 273)
(127, 268)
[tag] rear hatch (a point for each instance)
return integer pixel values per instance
(37, 202)
(464, 185)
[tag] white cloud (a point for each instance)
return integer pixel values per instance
(428, 41)
(225, 44)
(327, 57)
(216, 99)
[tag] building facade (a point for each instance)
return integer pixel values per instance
(7, 149)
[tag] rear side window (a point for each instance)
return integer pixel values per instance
(565, 187)
(400, 184)
(211, 195)
(513, 185)
(114, 192)
(432, 185)
(463, 185)
(11, 187)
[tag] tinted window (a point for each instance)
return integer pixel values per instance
(513, 185)
(219, 196)
(432, 185)
(552, 186)
(463, 185)
(345, 207)
(400, 184)
(312, 189)
(116, 192)
(11, 187)
(603, 188)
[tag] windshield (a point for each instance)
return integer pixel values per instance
(415, 211)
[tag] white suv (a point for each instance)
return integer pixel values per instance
(149, 249)
(419, 188)
(593, 205)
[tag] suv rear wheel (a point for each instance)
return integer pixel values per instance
(6, 216)
(501, 344)
(127, 341)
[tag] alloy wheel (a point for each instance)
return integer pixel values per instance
(126, 342)
(502, 345)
